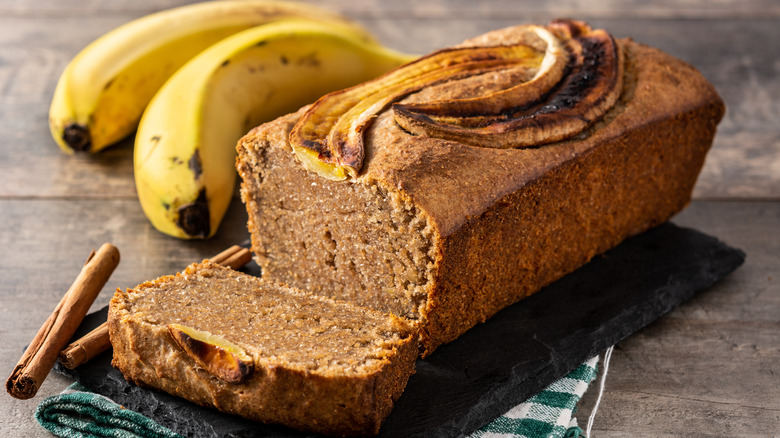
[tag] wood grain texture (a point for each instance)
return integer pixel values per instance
(44, 244)
(695, 9)
(710, 366)
(713, 364)
(733, 54)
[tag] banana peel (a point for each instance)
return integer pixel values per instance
(184, 155)
(103, 91)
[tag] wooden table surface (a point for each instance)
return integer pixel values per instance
(709, 368)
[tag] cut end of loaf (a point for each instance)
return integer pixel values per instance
(271, 322)
(355, 241)
(318, 364)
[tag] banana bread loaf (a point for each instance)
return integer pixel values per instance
(446, 233)
(225, 339)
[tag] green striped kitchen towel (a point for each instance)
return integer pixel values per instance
(547, 414)
(78, 413)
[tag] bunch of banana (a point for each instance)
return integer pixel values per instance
(200, 76)
(103, 91)
(185, 144)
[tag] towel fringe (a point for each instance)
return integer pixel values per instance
(607, 358)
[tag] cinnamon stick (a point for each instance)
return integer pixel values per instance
(97, 341)
(41, 354)
(233, 257)
(86, 347)
(237, 259)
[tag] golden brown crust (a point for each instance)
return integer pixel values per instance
(432, 170)
(331, 401)
(520, 230)
(506, 222)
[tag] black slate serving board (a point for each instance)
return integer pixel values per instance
(498, 364)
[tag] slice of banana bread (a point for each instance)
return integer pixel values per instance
(446, 233)
(222, 338)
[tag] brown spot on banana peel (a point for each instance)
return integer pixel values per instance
(194, 218)
(77, 137)
(333, 127)
(589, 89)
(310, 60)
(195, 164)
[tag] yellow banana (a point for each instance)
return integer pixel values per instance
(103, 91)
(185, 145)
